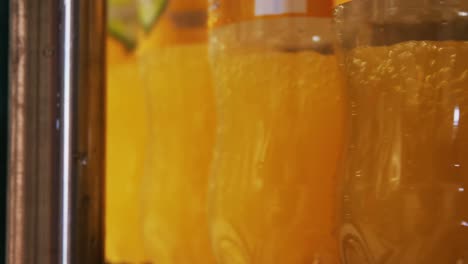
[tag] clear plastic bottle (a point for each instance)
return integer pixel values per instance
(279, 132)
(174, 61)
(126, 136)
(404, 196)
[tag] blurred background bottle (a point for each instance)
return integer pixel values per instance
(126, 135)
(279, 132)
(406, 65)
(174, 61)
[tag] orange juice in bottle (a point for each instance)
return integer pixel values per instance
(279, 132)
(405, 197)
(126, 136)
(174, 61)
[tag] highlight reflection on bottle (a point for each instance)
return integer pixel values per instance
(279, 132)
(405, 199)
(181, 117)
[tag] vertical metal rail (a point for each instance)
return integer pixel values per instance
(68, 83)
(56, 126)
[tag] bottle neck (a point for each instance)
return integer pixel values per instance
(414, 11)
(387, 22)
(182, 22)
(224, 12)
(340, 2)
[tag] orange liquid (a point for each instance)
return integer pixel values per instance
(182, 112)
(406, 201)
(182, 128)
(279, 138)
(125, 153)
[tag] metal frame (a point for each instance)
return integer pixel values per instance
(56, 126)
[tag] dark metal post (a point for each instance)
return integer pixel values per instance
(56, 163)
